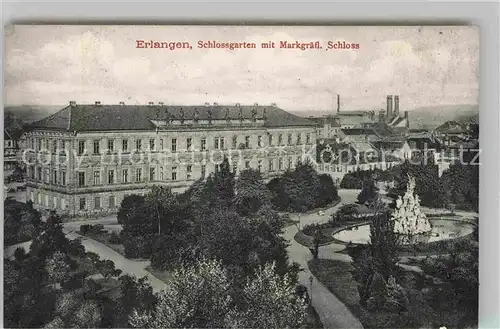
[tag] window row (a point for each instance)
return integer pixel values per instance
(219, 142)
(47, 176)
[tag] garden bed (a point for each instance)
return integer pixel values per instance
(104, 237)
(336, 276)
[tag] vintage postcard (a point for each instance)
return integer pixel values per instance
(241, 176)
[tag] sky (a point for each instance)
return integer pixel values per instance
(425, 66)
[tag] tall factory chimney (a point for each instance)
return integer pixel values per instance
(389, 107)
(407, 119)
(338, 103)
(396, 105)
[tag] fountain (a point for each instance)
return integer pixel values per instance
(411, 224)
(408, 218)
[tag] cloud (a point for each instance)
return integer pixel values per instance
(51, 65)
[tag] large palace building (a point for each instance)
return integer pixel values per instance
(84, 159)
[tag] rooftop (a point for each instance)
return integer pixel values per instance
(97, 117)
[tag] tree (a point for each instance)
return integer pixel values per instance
(134, 215)
(107, 269)
(327, 190)
(162, 201)
(135, 294)
(196, 297)
(270, 301)
(369, 192)
(251, 192)
(57, 268)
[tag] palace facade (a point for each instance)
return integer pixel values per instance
(84, 159)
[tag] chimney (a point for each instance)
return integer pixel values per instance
(407, 120)
(98, 103)
(396, 105)
(122, 103)
(389, 107)
(338, 103)
(72, 103)
(381, 116)
(151, 103)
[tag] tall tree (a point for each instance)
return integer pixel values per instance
(270, 301)
(251, 192)
(196, 297)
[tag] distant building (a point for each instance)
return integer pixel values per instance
(451, 133)
(393, 116)
(10, 151)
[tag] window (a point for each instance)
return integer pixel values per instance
(152, 174)
(63, 178)
(203, 144)
(161, 173)
(111, 176)
(151, 144)
(235, 168)
(124, 145)
(63, 203)
(32, 172)
(112, 202)
(216, 143)
(138, 174)
(97, 202)
(174, 173)
(174, 144)
(47, 176)
(299, 138)
(270, 140)
(111, 145)
(217, 167)
(138, 144)
(247, 142)
(161, 144)
(54, 202)
(247, 164)
(222, 143)
(259, 141)
(289, 163)
(280, 139)
(235, 142)
(308, 138)
(97, 177)
(271, 165)
(82, 203)
(54, 177)
(289, 139)
(81, 179)
(81, 147)
(203, 171)
(39, 145)
(189, 143)
(125, 175)
(39, 173)
(96, 147)
(54, 147)
(189, 169)
(259, 166)
(280, 164)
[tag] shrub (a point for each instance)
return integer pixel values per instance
(114, 238)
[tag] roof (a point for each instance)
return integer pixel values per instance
(7, 135)
(138, 117)
(325, 119)
(451, 127)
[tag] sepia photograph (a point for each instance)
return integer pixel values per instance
(241, 176)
